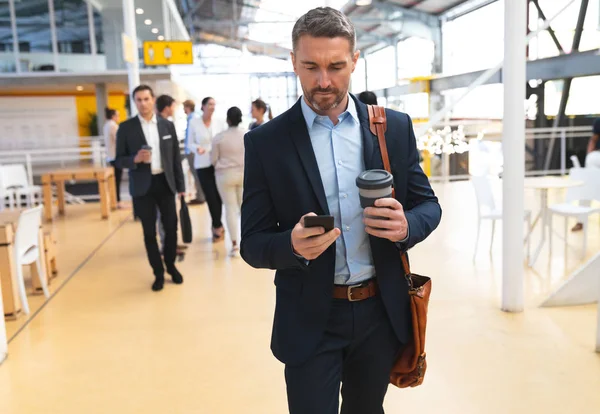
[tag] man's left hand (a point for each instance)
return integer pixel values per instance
(393, 227)
(181, 194)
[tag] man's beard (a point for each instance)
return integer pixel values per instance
(339, 97)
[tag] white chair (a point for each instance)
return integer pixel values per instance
(575, 161)
(27, 251)
(589, 191)
(487, 210)
(15, 184)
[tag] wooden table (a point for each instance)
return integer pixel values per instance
(8, 277)
(106, 187)
(3, 338)
(544, 184)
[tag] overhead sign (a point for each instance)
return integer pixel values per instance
(168, 53)
(129, 50)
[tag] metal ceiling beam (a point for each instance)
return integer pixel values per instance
(190, 14)
(464, 9)
(428, 19)
(550, 31)
(233, 22)
(574, 65)
(566, 91)
(253, 46)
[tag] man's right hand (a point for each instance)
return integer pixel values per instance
(311, 242)
(143, 156)
(201, 151)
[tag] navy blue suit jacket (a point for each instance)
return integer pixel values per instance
(131, 138)
(282, 183)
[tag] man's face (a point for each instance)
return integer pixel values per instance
(144, 101)
(170, 110)
(324, 67)
(187, 110)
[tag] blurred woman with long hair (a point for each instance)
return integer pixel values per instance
(259, 110)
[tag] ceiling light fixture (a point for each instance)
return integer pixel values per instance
(363, 2)
(139, 11)
(154, 30)
(148, 22)
(161, 38)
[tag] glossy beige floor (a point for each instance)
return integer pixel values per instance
(106, 344)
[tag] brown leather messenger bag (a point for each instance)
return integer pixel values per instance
(411, 363)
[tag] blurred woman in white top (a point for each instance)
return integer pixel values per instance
(201, 133)
(110, 143)
(228, 159)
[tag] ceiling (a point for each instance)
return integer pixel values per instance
(231, 22)
(227, 22)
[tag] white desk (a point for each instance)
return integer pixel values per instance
(544, 184)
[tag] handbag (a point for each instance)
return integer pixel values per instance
(411, 363)
(186, 223)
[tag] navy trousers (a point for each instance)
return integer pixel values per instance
(358, 351)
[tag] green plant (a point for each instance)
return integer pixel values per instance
(93, 124)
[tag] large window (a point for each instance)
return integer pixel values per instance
(358, 77)
(415, 57)
(98, 31)
(542, 45)
(278, 91)
(33, 26)
(474, 41)
(581, 101)
(72, 29)
(381, 70)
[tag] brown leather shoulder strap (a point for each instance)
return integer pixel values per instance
(378, 126)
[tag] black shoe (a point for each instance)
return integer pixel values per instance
(158, 284)
(175, 275)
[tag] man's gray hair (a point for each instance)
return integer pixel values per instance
(324, 22)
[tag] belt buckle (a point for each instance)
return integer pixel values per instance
(349, 293)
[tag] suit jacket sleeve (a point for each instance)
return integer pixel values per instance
(124, 159)
(421, 206)
(264, 244)
(177, 168)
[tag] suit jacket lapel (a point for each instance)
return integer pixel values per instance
(162, 143)
(139, 130)
(371, 153)
(304, 147)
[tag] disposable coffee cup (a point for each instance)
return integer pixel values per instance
(147, 148)
(373, 185)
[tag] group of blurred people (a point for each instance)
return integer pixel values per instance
(215, 154)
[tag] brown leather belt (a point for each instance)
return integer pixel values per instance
(356, 293)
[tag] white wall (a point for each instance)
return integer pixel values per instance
(38, 122)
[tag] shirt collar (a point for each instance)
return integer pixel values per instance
(152, 121)
(310, 116)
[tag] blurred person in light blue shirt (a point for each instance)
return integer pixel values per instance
(189, 108)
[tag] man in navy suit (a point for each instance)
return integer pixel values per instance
(155, 177)
(342, 311)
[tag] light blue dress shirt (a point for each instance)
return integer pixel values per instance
(339, 152)
(187, 133)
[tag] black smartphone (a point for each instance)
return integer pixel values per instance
(147, 147)
(319, 221)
